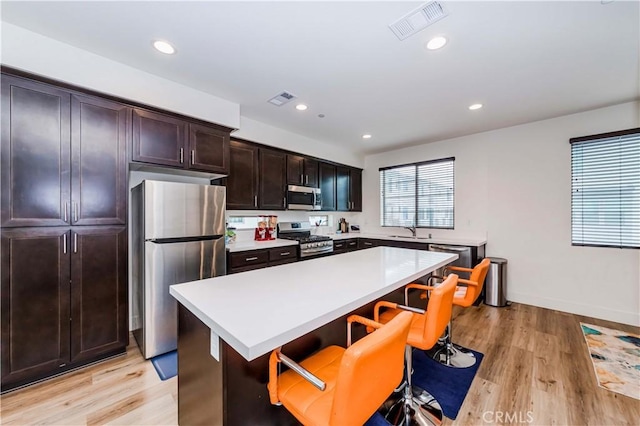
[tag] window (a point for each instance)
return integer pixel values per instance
(605, 190)
(419, 194)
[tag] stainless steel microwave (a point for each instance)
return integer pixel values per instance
(303, 198)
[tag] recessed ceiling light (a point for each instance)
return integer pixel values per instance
(436, 43)
(301, 107)
(164, 47)
(475, 106)
(366, 136)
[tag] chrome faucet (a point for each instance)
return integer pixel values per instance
(412, 229)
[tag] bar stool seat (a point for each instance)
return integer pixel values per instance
(343, 387)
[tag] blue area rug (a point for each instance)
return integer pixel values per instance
(166, 365)
(449, 386)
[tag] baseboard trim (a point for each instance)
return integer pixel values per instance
(624, 317)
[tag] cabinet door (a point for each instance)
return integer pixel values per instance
(99, 138)
(273, 185)
(35, 302)
(35, 154)
(295, 170)
(311, 173)
(242, 183)
(158, 138)
(98, 291)
(208, 149)
(355, 190)
(342, 189)
(327, 175)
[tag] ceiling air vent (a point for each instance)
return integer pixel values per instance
(282, 98)
(418, 19)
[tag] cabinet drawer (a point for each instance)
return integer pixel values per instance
(339, 246)
(247, 258)
(364, 243)
(280, 253)
(352, 244)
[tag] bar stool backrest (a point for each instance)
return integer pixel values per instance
(439, 310)
(370, 370)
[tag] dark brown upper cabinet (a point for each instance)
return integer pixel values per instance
(164, 140)
(99, 136)
(327, 177)
(63, 157)
(158, 138)
(35, 154)
(302, 171)
(348, 189)
(208, 149)
(242, 183)
(257, 178)
(273, 169)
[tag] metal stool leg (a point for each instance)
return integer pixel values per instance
(452, 355)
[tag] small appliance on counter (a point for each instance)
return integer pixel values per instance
(355, 228)
(343, 225)
(310, 245)
(266, 229)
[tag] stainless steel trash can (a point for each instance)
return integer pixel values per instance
(496, 283)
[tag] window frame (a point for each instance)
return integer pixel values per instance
(416, 165)
(585, 140)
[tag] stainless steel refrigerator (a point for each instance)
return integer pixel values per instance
(177, 236)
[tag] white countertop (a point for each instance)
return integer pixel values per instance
(258, 311)
(258, 245)
(471, 242)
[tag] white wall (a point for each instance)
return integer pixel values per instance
(260, 132)
(35, 53)
(513, 186)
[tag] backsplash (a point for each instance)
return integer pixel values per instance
(296, 216)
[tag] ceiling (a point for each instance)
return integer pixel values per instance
(525, 61)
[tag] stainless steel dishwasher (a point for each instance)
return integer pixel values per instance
(464, 255)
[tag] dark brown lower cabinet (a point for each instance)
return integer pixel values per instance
(64, 299)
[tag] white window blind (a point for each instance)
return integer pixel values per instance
(605, 190)
(420, 194)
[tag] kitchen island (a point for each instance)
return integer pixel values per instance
(228, 325)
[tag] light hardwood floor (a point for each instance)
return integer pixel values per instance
(535, 361)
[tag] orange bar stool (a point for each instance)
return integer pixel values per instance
(338, 386)
(467, 292)
(426, 328)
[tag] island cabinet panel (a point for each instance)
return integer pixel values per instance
(242, 183)
(98, 291)
(158, 138)
(327, 177)
(208, 149)
(35, 164)
(99, 136)
(35, 302)
(272, 183)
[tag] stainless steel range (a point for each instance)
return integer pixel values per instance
(310, 245)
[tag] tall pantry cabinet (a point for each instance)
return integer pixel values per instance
(64, 229)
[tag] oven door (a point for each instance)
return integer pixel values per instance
(303, 198)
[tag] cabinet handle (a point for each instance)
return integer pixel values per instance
(306, 180)
(255, 201)
(64, 243)
(302, 179)
(75, 212)
(181, 155)
(65, 212)
(284, 202)
(368, 244)
(193, 156)
(249, 259)
(75, 242)
(286, 253)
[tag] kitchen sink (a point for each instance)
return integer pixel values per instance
(408, 236)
